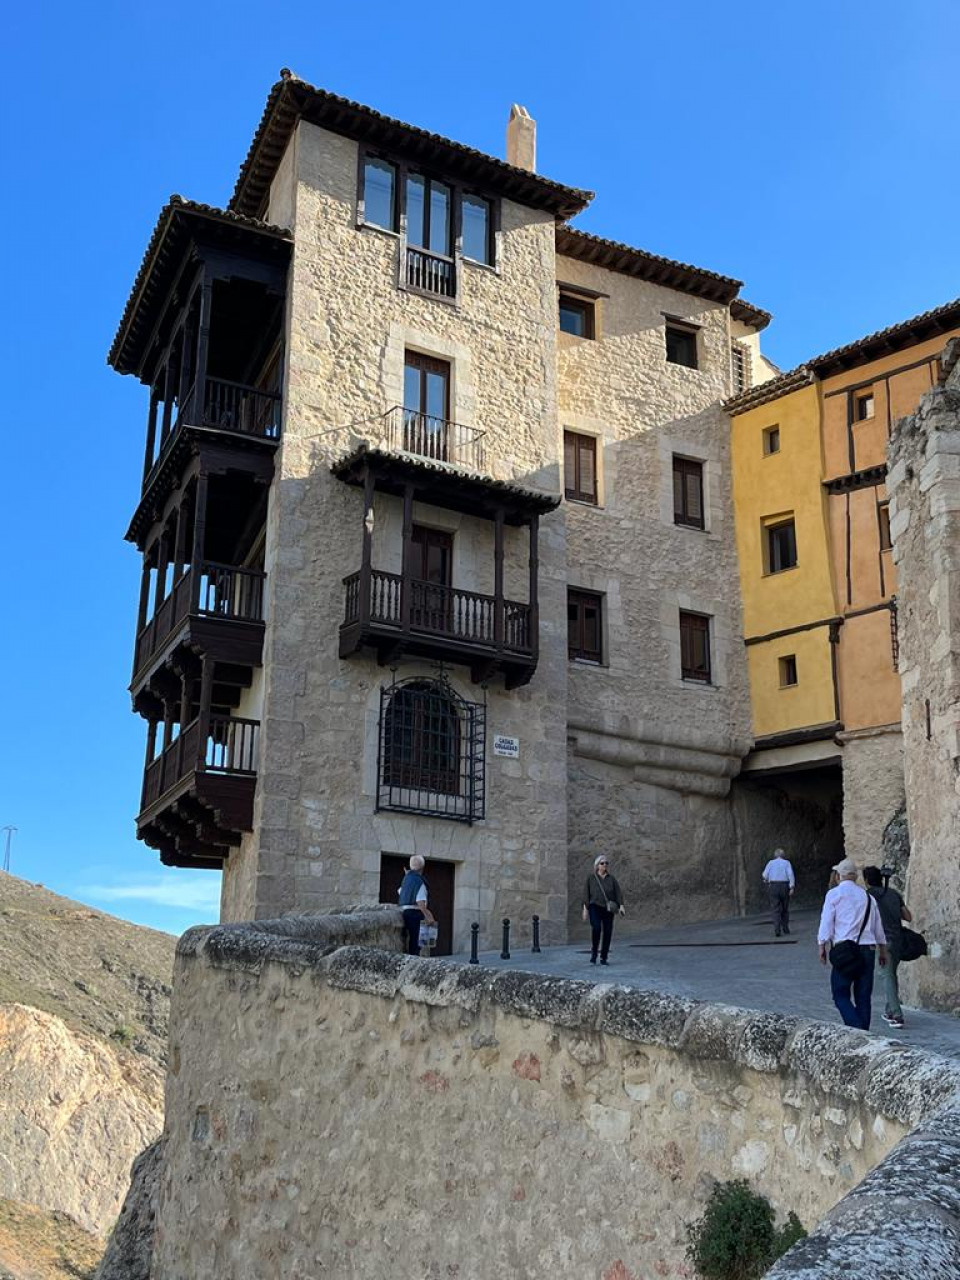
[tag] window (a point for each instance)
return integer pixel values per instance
(576, 316)
(580, 467)
(584, 626)
(477, 229)
(739, 367)
(682, 345)
(863, 406)
(781, 546)
(688, 493)
(431, 751)
(771, 440)
(883, 515)
(380, 193)
(431, 562)
(695, 647)
(429, 224)
(426, 406)
(788, 670)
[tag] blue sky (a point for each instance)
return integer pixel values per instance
(808, 149)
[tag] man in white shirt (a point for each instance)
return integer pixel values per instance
(850, 914)
(779, 878)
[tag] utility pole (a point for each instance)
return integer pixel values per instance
(6, 856)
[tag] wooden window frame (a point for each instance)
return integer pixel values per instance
(883, 522)
(402, 170)
(862, 398)
(578, 652)
(680, 328)
(684, 467)
(770, 530)
(699, 623)
(572, 490)
(768, 433)
(786, 666)
(566, 298)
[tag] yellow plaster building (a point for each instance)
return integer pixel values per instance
(808, 451)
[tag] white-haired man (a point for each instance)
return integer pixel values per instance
(414, 898)
(850, 917)
(780, 881)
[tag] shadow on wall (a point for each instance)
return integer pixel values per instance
(800, 812)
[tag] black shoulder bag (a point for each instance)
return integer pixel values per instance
(845, 956)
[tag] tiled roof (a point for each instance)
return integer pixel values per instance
(292, 99)
(764, 392)
(747, 313)
(163, 250)
(573, 243)
(929, 324)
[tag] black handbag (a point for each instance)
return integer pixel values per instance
(913, 945)
(845, 956)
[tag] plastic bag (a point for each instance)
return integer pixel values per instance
(428, 935)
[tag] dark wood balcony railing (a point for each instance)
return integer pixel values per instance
(435, 610)
(229, 747)
(411, 432)
(217, 591)
(431, 272)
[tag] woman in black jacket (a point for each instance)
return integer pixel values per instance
(602, 899)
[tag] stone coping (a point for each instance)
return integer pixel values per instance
(903, 1220)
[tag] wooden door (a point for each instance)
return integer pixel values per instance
(440, 889)
(432, 560)
(426, 405)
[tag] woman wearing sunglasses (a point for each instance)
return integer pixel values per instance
(602, 900)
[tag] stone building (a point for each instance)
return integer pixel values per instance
(820, 587)
(924, 486)
(438, 539)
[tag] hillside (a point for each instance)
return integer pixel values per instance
(98, 974)
(84, 1009)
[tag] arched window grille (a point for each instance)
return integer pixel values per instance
(431, 751)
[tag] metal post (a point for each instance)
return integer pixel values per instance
(6, 857)
(536, 934)
(505, 953)
(474, 943)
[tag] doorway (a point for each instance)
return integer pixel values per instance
(440, 890)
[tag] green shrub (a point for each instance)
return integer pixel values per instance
(736, 1238)
(124, 1035)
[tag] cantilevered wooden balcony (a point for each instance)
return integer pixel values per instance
(443, 623)
(215, 609)
(197, 798)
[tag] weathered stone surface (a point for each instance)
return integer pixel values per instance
(129, 1251)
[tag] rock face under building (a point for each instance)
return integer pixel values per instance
(924, 481)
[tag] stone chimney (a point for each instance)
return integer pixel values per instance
(522, 139)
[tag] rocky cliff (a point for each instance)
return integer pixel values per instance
(84, 1001)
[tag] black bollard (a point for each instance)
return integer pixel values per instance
(505, 953)
(474, 943)
(536, 934)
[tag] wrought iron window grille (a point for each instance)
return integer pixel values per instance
(431, 751)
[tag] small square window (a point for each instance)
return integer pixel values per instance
(577, 316)
(585, 626)
(580, 467)
(863, 406)
(695, 647)
(771, 440)
(883, 515)
(788, 671)
(781, 546)
(688, 492)
(682, 346)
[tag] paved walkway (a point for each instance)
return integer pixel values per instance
(736, 962)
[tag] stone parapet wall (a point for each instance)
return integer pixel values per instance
(924, 484)
(326, 1108)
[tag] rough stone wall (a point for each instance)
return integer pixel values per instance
(318, 841)
(924, 484)
(325, 1108)
(872, 790)
(652, 755)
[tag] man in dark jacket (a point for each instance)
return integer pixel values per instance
(414, 898)
(893, 911)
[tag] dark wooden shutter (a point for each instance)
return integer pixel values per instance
(688, 492)
(580, 467)
(695, 647)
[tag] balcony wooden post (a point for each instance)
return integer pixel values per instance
(534, 619)
(366, 559)
(203, 725)
(148, 761)
(158, 595)
(406, 584)
(167, 399)
(184, 718)
(151, 433)
(203, 346)
(178, 544)
(199, 532)
(498, 578)
(144, 593)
